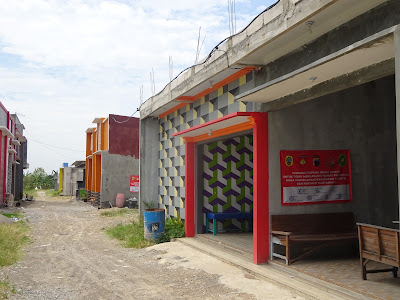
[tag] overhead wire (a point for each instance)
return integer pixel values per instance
(216, 47)
(208, 56)
(30, 138)
(121, 122)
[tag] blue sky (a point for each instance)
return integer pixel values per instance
(63, 63)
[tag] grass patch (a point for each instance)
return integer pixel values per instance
(52, 193)
(118, 212)
(31, 193)
(174, 228)
(13, 215)
(82, 194)
(6, 289)
(131, 235)
(12, 238)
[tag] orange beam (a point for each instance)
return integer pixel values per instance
(221, 132)
(216, 86)
(88, 144)
(170, 111)
(89, 174)
(185, 98)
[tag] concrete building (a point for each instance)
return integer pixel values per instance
(13, 157)
(20, 160)
(305, 75)
(112, 157)
(71, 179)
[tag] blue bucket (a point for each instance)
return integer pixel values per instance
(154, 223)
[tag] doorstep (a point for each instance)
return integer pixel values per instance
(280, 275)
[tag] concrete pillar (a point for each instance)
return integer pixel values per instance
(397, 75)
(149, 161)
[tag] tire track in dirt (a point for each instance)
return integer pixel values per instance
(72, 258)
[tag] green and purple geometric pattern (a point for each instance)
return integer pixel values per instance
(171, 166)
(228, 179)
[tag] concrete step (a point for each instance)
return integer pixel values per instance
(299, 283)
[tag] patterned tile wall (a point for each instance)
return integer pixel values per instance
(228, 179)
(9, 174)
(172, 149)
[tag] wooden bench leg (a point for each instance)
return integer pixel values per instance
(364, 268)
(287, 250)
(215, 227)
(395, 272)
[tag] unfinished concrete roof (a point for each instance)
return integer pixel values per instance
(79, 163)
(274, 33)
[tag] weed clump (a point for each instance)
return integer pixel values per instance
(118, 212)
(6, 289)
(174, 228)
(131, 235)
(12, 238)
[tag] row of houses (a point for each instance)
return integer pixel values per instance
(13, 157)
(296, 114)
(112, 158)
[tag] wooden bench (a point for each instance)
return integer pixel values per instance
(227, 216)
(315, 230)
(378, 244)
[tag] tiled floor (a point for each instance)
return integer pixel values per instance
(340, 269)
(346, 272)
(242, 241)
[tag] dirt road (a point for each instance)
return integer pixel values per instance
(72, 258)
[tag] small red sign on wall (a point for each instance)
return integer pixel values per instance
(315, 176)
(134, 184)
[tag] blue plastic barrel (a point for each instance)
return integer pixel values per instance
(154, 223)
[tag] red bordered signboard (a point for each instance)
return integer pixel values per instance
(134, 184)
(315, 176)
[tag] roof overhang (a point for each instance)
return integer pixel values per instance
(232, 123)
(272, 35)
(6, 132)
(20, 137)
(12, 150)
(370, 51)
(79, 163)
(97, 120)
(15, 143)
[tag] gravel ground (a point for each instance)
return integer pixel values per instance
(71, 257)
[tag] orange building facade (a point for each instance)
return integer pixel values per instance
(112, 147)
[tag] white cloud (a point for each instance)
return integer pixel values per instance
(62, 63)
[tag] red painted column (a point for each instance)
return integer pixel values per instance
(1, 162)
(260, 189)
(6, 157)
(189, 188)
(5, 168)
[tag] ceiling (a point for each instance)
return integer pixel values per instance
(340, 63)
